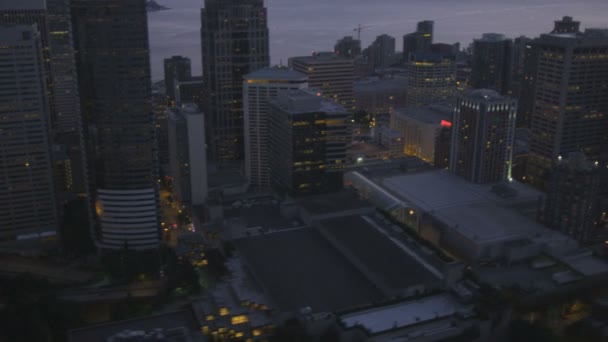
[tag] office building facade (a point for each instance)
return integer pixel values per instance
(309, 136)
(572, 203)
(418, 41)
(423, 129)
(27, 195)
(431, 78)
(332, 74)
(348, 47)
(483, 131)
(111, 39)
(492, 64)
(177, 68)
(187, 154)
(570, 99)
(234, 36)
(190, 90)
(381, 52)
(258, 88)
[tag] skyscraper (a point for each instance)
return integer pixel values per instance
(382, 51)
(492, 63)
(570, 99)
(483, 129)
(308, 140)
(115, 87)
(177, 68)
(234, 36)
(332, 74)
(52, 18)
(431, 78)
(191, 90)
(572, 201)
(566, 25)
(419, 41)
(27, 198)
(188, 159)
(348, 47)
(258, 88)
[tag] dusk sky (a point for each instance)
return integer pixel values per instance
(299, 27)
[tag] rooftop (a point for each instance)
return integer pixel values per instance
(167, 321)
(400, 315)
(306, 272)
(23, 5)
(372, 248)
(340, 264)
(277, 72)
(322, 58)
(471, 208)
(302, 102)
(380, 85)
(432, 114)
(483, 95)
(344, 200)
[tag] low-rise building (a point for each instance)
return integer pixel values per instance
(380, 95)
(426, 132)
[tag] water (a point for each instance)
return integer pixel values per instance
(298, 27)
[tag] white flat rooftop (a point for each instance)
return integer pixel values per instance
(404, 314)
(471, 209)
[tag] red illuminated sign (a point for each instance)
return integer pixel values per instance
(446, 123)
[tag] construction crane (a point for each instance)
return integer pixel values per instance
(360, 28)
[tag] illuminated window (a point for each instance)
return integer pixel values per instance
(239, 319)
(210, 317)
(257, 332)
(239, 334)
(224, 311)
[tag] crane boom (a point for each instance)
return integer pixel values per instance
(360, 28)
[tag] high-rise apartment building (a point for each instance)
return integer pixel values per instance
(483, 130)
(111, 37)
(431, 78)
(177, 68)
(492, 63)
(187, 155)
(419, 41)
(570, 99)
(572, 203)
(234, 35)
(308, 140)
(332, 74)
(27, 196)
(348, 47)
(258, 88)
